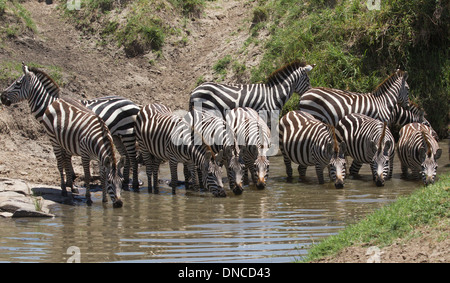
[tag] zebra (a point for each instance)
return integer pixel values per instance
(272, 95)
(331, 105)
(163, 136)
(419, 151)
(119, 114)
(414, 114)
(253, 138)
(309, 142)
(216, 133)
(369, 141)
(76, 130)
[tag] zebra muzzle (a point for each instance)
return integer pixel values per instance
(5, 100)
(118, 203)
(339, 184)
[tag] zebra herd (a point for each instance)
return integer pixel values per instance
(228, 126)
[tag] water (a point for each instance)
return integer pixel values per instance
(277, 224)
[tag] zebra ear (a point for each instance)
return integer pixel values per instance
(342, 149)
(25, 68)
(387, 146)
(208, 155)
(329, 149)
(373, 146)
(309, 68)
(422, 154)
(219, 156)
(437, 155)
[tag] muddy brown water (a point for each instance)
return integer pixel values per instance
(277, 224)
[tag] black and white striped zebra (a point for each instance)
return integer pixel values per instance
(269, 96)
(331, 105)
(40, 90)
(218, 135)
(369, 141)
(309, 142)
(419, 151)
(253, 138)
(414, 114)
(164, 136)
(76, 130)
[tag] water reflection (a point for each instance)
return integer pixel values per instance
(277, 224)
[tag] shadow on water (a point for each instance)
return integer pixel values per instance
(277, 224)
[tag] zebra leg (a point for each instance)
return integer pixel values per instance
(355, 167)
(173, 175)
(245, 175)
(319, 172)
(187, 177)
(148, 162)
(87, 178)
(155, 169)
(130, 145)
(301, 172)
(70, 173)
(126, 168)
(197, 177)
(404, 168)
(288, 164)
(103, 183)
(60, 164)
(391, 167)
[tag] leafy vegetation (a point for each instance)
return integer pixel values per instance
(356, 48)
(426, 206)
(141, 29)
(15, 19)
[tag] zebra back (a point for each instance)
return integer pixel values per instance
(331, 105)
(269, 96)
(419, 151)
(368, 141)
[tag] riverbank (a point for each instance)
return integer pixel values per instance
(412, 229)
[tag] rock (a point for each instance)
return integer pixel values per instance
(30, 213)
(18, 199)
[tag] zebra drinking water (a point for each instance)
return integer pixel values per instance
(76, 130)
(309, 142)
(253, 138)
(119, 114)
(368, 141)
(418, 150)
(164, 136)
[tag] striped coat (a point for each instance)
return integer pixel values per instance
(368, 141)
(418, 151)
(331, 105)
(308, 142)
(76, 130)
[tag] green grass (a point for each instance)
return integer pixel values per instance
(14, 19)
(11, 70)
(356, 49)
(425, 206)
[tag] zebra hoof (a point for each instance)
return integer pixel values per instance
(89, 202)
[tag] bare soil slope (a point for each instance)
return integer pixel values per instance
(90, 70)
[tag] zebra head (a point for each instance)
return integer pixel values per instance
(261, 165)
(19, 89)
(113, 181)
(380, 161)
(337, 164)
(429, 164)
(235, 169)
(212, 174)
(303, 84)
(403, 93)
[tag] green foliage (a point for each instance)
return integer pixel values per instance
(425, 206)
(355, 48)
(15, 19)
(11, 70)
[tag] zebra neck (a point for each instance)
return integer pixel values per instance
(39, 99)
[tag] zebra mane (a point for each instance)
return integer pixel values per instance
(383, 134)
(387, 82)
(426, 143)
(335, 141)
(281, 73)
(49, 84)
